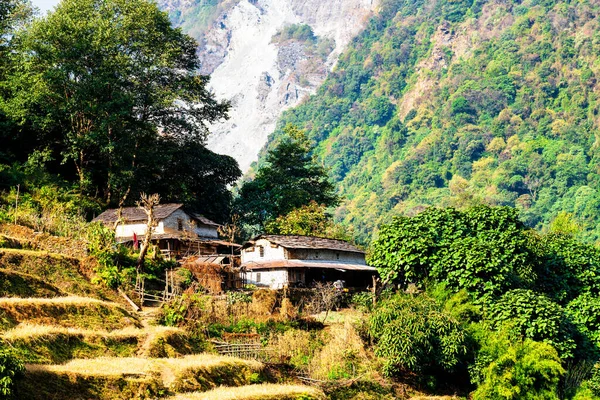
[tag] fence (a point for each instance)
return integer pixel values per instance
(251, 350)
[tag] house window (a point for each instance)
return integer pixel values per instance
(261, 251)
(179, 224)
(258, 277)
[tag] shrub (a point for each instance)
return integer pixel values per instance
(11, 368)
(536, 317)
(508, 368)
(414, 334)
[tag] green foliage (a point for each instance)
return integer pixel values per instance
(105, 94)
(516, 369)
(594, 382)
(413, 333)
(416, 102)
(362, 300)
(300, 32)
(289, 180)
(584, 311)
(11, 369)
(482, 249)
(182, 309)
(238, 297)
(308, 220)
(535, 317)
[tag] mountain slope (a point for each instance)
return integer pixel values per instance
(453, 102)
(259, 71)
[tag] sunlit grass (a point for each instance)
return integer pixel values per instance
(255, 392)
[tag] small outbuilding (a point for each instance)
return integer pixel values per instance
(279, 261)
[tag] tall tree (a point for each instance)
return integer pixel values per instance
(101, 82)
(290, 179)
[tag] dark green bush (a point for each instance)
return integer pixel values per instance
(414, 334)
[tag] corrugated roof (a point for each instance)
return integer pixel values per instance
(257, 265)
(307, 242)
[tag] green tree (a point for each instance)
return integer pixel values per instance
(99, 81)
(308, 220)
(509, 368)
(288, 180)
(413, 333)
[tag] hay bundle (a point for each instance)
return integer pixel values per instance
(208, 275)
(263, 302)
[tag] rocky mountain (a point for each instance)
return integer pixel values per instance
(265, 56)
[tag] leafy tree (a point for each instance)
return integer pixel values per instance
(96, 81)
(309, 220)
(536, 317)
(516, 369)
(288, 180)
(413, 333)
(482, 249)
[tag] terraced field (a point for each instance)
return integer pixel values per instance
(78, 343)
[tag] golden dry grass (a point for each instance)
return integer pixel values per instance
(255, 392)
(133, 366)
(70, 300)
(69, 312)
(31, 331)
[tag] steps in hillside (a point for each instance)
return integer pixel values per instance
(43, 344)
(127, 378)
(17, 284)
(255, 392)
(63, 272)
(68, 312)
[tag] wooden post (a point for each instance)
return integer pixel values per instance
(17, 203)
(374, 290)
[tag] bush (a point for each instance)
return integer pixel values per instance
(11, 368)
(536, 317)
(414, 334)
(508, 368)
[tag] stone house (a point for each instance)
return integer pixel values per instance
(279, 261)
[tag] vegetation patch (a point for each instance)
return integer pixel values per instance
(22, 237)
(134, 378)
(70, 312)
(257, 392)
(15, 284)
(63, 272)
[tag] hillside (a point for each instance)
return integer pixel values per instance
(260, 72)
(453, 103)
(77, 341)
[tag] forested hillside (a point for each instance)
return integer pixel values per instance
(458, 102)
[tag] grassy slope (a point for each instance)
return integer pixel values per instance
(256, 392)
(128, 378)
(64, 272)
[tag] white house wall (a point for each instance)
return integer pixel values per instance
(169, 225)
(127, 231)
(271, 252)
(275, 279)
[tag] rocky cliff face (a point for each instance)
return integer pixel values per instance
(256, 69)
